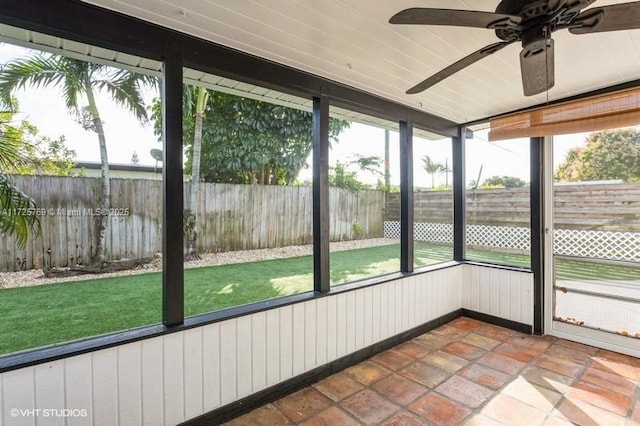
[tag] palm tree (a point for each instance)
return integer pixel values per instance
(14, 204)
(432, 168)
(202, 96)
(81, 80)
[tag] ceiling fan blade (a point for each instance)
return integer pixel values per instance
(625, 16)
(460, 18)
(457, 66)
(537, 68)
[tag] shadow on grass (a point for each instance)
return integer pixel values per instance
(48, 314)
(351, 265)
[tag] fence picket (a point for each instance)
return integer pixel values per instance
(232, 217)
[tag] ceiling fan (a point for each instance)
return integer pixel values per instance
(528, 21)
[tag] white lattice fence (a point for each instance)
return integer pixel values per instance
(440, 233)
(391, 229)
(569, 242)
(506, 237)
(597, 244)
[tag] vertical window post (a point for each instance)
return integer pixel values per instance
(172, 189)
(406, 196)
(459, 196)
(537, 230)
(321, 282)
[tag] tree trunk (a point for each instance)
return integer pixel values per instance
(446, 173)
(105, 183)
(194, 203)
(263, 176)
(387, 173)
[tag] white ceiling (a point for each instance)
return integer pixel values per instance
(39, 41)
(350, 41)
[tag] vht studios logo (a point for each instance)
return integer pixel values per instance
(49, 412)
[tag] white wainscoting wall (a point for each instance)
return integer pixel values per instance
(176, 377)
(503, 293)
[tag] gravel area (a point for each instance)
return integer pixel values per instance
(35, 276)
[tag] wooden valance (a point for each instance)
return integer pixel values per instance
(608, 111)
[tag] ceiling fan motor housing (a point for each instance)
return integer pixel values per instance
(535, 40)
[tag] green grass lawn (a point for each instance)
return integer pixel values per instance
(48, 314)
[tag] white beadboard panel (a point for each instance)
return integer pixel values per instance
(152, 382)
(359, 318)
(272, 361)
(129, 385)
(193, 377)
(173, 366)
(321, 324)
(503, 293)
(420, 302)
(341, 326)
(526, 299)
(49, 388)
(351, 324)
(485, 288)
(494, 287)
(391, 311)
(384, 310)
(286, 343)
(259, 351)
(211, 366)
(228, 368)
(455, 275)
(377, 314)
(413, 302)
(244, 371)
(465, 281)
(168, 379)
(78, 388)
(368, 316)
(405, 303)
(105, 387)
(426, 298)
(400, 304)
(474, 287)
(310, 339)
(298, 338)
(503, 302)
(18, 393)
(332, 328)
(515, 301)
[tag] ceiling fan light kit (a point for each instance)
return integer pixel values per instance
(529, 22)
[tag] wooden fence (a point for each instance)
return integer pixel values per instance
(604, 207)
(238, 217)
(232, 217)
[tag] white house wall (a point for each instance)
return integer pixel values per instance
(503, 293)
(175, 377)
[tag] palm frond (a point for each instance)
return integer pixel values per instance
(17, 215)
(42, 71)
(9, 148)
(125, 87)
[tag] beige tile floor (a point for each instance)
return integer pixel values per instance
(470, 372)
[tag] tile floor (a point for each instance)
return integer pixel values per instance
(469, 372)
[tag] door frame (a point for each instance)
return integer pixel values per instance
(588, 336)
